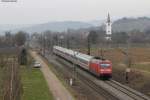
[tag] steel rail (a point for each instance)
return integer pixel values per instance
(130, 92)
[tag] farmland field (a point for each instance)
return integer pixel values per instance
(138, 55)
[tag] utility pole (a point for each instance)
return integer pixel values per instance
(43, 38)
(68, 42)
(89, 45)
(101, 53)
(74, 66)
(11, 81)
(61, 40)
(68, 39)
(44, 45)
(128, 61)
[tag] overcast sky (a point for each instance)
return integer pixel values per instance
(41, 11)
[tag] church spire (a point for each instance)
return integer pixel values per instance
(108, 28)
(108, 18)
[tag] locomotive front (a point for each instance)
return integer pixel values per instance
(101, 67)
(105, 67)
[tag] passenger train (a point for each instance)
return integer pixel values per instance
(97, 66)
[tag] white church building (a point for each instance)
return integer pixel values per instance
(108, 28)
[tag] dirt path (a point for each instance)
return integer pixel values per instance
(58, 90)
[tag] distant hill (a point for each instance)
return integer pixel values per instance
(121, 25)
(56, 26)
(10, 27)
(130, 24)
(97, 22)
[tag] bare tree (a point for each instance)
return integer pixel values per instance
(20, 38)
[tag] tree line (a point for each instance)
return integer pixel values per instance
(86, 38)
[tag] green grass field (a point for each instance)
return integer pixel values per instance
(34, 85)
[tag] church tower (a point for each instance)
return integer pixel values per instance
(108, 28)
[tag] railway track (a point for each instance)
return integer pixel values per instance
(116, 89)
(99, 91)
(128, 91)
(111, 89)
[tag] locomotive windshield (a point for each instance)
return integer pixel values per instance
(105, 65)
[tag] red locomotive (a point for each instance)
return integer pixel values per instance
(99, 67)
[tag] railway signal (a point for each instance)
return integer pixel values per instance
(127, 74)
